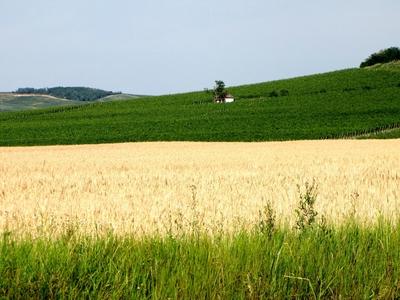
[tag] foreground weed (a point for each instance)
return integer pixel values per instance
(267, 220)
(305, 212)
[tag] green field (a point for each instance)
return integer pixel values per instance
(331, 105)
(13, 102)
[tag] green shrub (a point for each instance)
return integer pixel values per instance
(383, 56)
(273, 94)
(284, 93)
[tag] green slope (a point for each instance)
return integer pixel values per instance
(336, 104)
(118, 97)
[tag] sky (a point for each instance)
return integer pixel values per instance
(170, 46)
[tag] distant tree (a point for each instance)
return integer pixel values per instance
(42, 91)
(273, 94)
(219, 91)
(383, 56)
(26, 90)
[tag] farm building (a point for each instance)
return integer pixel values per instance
(227, 99)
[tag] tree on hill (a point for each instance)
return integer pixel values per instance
(219, 91)
(383, 56)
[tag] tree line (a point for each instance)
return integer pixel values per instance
(70, 93)
(383, 56)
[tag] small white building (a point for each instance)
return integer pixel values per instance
(229, 98)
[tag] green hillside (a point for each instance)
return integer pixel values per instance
(331, 105)
(118, 97)
(17, 102)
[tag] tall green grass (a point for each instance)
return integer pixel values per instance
(349, 262)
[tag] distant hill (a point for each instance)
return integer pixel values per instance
(15, 101)
(70, 93)
(347, 103)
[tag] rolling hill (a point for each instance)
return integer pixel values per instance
(17, 102)
(346, 103)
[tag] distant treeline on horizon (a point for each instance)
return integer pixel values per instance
(70, 93)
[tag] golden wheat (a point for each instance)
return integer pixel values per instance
(145, 188)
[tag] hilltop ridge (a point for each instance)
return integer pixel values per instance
(13, 101)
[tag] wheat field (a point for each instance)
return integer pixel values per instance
(161, 187)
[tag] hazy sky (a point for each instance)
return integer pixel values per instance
(166, 46)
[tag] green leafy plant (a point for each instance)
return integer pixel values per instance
(305, 212)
